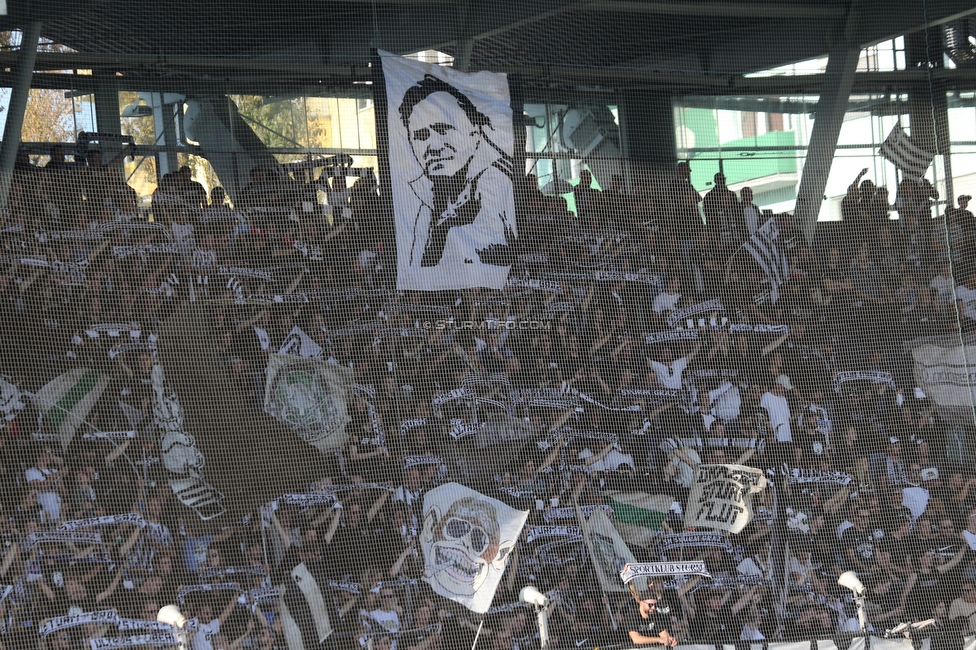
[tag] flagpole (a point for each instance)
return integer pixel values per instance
(477, 634)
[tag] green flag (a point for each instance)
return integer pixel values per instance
(65, 401)
(637, 516)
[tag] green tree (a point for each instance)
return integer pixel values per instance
(50, 116)
(279, 124)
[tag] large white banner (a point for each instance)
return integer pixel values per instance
(946, 372)
(451, 146)
(721, 496)
(466, 541)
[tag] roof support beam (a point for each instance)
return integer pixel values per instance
(721, 9)
(19, 94)
(488, 24)
(837, 83)
(257, 76)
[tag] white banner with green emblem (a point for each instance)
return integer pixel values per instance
(309, 395)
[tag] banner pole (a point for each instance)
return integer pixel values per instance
(477, 634)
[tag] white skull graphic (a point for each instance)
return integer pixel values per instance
(462, 546)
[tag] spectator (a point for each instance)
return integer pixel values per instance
(645, 625)
(777, 408)
(587, 199)
(964, 606)
(750, 213)
(723, 214)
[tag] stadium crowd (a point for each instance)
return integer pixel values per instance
(632, 342)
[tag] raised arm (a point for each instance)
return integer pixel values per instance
(110, 589)
(228, 608)
(694, 351)
(9, 558)
(772, 345)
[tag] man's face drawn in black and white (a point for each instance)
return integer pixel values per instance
(443, 138)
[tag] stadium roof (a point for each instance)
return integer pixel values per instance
(173, 42)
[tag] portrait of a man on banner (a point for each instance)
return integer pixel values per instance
(452, 175)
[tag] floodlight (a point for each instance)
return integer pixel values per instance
(849, 580)
(530, 594)
(172, 615)
(533, 596)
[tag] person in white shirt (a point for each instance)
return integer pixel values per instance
(965, 606)
(668, 370)
(44, 477)
(966, 299)
(667, 301)
(778, 408)
(943, 284)
(750, 630)
(209, 627)
(775, 402)
(387, 615)
(749, 212)
(724, 402)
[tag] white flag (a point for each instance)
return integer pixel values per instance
(451, 147)
(946, 372)
(309, 395)
(304, 613)
(608, 551)
(466, 541)
(299, 343)
(912, 160)
(66, 401)
(721, 496)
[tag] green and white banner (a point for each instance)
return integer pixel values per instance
(638, 515)
(65, 401)
(309, 395)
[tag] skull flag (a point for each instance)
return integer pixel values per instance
(466, 542)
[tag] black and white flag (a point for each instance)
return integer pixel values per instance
(452, 168)
(911, 159)
(304, 613)
(773, 262)
(195, 409)
(721, 496)
(466, 542)
(299, 343)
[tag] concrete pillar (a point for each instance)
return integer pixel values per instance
(19, 94)
(164, 117)
(647, 128)
(107, 110)
(831, 107)
(463, 59)
(928, 112)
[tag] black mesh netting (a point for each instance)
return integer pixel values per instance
(393, 361)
